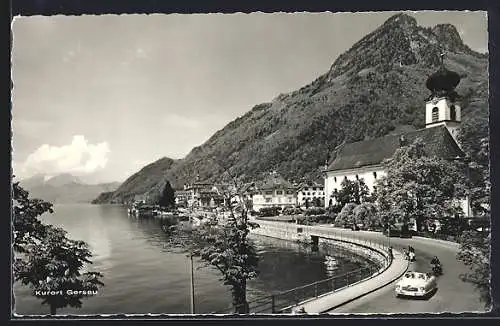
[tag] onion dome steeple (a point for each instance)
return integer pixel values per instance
(443, 80)
(443, 107)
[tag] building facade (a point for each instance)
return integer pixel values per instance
(201, 195)
(274, 191)
(310, 194)
(363, 160)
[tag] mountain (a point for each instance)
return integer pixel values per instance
(375, 88)
(64, 188)
(151, 176)
(61, 180)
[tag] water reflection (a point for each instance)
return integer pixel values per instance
(143, 274)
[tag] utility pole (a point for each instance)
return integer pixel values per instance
(192, 283)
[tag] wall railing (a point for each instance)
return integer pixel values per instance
(286, 301)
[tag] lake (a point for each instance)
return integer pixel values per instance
(142, 274)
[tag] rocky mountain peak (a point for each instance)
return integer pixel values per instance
(399, 41)
(401, 20)
(375, 88)
(448, 37)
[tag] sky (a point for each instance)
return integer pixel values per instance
(102, 96)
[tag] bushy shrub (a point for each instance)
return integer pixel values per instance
(269, 211)
(346, 215)
(366, 213)
(292, 211)
(332, 215)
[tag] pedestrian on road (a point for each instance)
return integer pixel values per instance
(411, 256)
(390, 253)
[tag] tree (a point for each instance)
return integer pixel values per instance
(225, 245)
(418, 186)
(351, 191)
(479, 183)
(46, 259)
(167, 198)
(366, 213)
(475, 253)
(475, 246)
(346, 215)
(474, 140)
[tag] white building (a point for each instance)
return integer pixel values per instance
(274, 191)
(363, 159)
(309, 193)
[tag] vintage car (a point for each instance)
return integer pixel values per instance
(415, 284)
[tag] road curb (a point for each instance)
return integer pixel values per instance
(364, 293)
(368, 292)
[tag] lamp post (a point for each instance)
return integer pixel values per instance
(389, 233)
(191, 278)
(192, 283)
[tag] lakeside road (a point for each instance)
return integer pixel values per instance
(453, 295)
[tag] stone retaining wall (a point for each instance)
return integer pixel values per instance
(303, 233)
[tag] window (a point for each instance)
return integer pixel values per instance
(375, 174)
(309, 194)
(279, 192)
(269, 192)
(268, 200)
(435, 114)
(303, 193)
(289, 192)
(314, 189)
(453, 113)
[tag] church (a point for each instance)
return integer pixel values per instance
(363, 159)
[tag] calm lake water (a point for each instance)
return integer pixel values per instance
(143, 275)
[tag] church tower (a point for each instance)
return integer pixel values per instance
(443, 106)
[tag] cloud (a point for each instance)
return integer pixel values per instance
(79, 158)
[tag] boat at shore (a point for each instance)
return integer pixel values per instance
(141, 209)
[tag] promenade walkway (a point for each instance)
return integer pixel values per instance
(342, 296)
(453, 295)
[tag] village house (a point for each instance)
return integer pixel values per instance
(201, 195)
(273, 191)
(363, 159)
(182, 198)
(310, 193)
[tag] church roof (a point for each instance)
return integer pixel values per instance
(438, 142)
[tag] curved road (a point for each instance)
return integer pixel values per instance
(453, 295)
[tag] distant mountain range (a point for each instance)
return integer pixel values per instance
(375, 88)
(64, 188)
